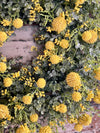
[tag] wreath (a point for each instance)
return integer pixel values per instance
(61, 83)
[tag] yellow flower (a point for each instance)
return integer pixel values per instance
(85, 119)
(64, 43)
(23, 129)
(62, 108)
(41, 83)
(3, 36)
(9, 32)
(7, 82)
(45, 129)
(49, 45)
(86, 69)
(97, 72)
(72, 120)
(19, 107)
(3, 67)
(76, 96)
(6, 22)
(82, 107)
(17, 23)
(4, 111)
(52, 123)
(96, 99)
(73, 79)
(59, 24)
(27, 99)
(78, 127)
(54, 59)
(78, 2)
(90, 36)
(3, 123)
(90, 96)
(48, 29)
(34, 118)
(62, 123)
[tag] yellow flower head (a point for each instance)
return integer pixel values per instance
(76, 96)
(86, 36)
(23, 129)
(6, 22)
(34, 118)
(62, 108)
(96, 99)
(59, 24)
(45, 129)
(55, 59)
(4, 111)
(3, 67)
(19, 107)
(78, 2)
(78, 127)
(49, 45)
(97, 72)
(7, 82)
(73, 79)
(3, 36)
(90, 36)
(90, 96)
(27, 99)
(64, 43)
(85, 119)
(72, 120)
(17, 23)
(41, 83)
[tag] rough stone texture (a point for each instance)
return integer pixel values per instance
(20, 45)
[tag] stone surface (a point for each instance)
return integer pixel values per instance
(20, 45)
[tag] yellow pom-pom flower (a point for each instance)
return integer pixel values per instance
(85, 119)
(76, 96)
(3, 67)
(59, 24)
(49, 45)
(17, 23)
(7, 82)
(73, 79)
(90, 36)
(41, 83)
(86, 36)
(96, 99)
(45, 129)
(62, 108)
(4, 111)
(78, 127)
(64, 43)
(34, 117)
(3, 36)
(94, 37)
(27, 99)
(23, 129)
(97, 72)
(54, 59)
